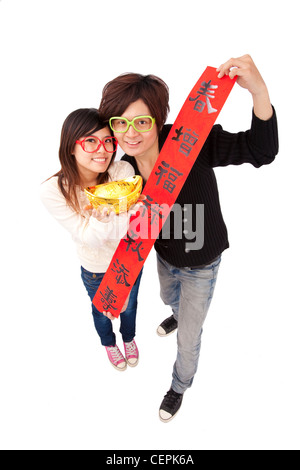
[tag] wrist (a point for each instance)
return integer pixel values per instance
(262, 105)
(260, 92)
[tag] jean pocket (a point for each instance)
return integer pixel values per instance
(91, 279)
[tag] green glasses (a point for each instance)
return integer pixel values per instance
(139, 123)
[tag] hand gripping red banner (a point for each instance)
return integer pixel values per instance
(175, 161)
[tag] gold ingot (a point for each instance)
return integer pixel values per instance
(121, 195)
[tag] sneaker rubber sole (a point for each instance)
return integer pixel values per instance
(161, 332)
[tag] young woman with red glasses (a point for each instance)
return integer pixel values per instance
(87, 153)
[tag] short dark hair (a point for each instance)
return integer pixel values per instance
(127, 88)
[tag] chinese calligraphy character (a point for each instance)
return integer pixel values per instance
(189, 140)
(179, 134)
(122, 273)
(135, 249)
(207, 90)
(172, 176)
(156, 211)
(108, 298)
(162, 172)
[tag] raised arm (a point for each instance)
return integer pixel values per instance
(249, 78)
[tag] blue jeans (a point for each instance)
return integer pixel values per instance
(103, 324)
(189, 293)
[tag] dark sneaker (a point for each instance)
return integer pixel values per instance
(167, 327)
(170, 406)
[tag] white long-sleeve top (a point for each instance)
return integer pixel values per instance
(95, 241)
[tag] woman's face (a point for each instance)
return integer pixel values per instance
(91, 164)
(138, 144)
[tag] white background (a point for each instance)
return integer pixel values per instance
(58, 390)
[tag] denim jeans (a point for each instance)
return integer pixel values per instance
(189, 293)
(103, 324)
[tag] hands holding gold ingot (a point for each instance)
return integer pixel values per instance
(119, 195)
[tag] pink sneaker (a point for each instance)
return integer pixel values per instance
(131, 353)
(116, 357)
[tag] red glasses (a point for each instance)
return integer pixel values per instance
(92, 144)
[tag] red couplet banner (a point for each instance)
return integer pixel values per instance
(175, 161)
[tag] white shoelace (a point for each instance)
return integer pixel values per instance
(116, 353)
(130, 347)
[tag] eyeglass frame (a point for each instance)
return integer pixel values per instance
(81, 143)
(131, 123)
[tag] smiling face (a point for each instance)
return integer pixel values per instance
(138, 144)
(91, 164)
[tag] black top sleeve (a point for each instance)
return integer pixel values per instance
(257, 146)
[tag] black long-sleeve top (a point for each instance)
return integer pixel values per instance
(258, 146)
